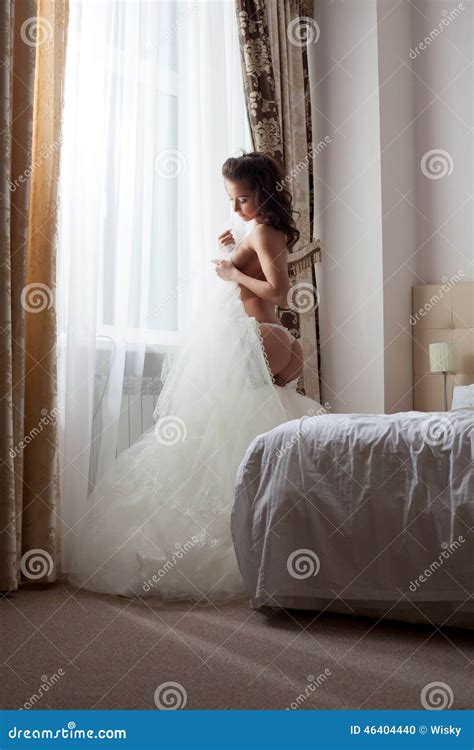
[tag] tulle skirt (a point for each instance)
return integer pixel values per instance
(158, 522)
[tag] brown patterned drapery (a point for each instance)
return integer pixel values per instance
(33, 45)
(273, 43)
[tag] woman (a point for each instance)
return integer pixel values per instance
(259, 264)
(158, 522)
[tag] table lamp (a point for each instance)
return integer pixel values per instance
(442, 360)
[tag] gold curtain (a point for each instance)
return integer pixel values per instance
(33, 47)
(273, 43)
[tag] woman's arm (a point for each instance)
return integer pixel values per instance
(270, 246)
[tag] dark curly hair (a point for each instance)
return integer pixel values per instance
(274, 202)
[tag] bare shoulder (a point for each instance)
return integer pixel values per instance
(266, 236)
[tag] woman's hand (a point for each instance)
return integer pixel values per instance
(225, 269)
(226, 238)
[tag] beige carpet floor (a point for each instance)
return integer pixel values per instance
(105, 652)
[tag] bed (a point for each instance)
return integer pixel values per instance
(364, 514)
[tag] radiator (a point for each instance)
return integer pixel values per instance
(139, 397)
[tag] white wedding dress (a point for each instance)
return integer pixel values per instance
(158, 522)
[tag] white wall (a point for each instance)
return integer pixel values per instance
(444, 95)
(348, 206)
(398, 169)
(384, 225)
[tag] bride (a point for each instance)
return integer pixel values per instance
(158, 522)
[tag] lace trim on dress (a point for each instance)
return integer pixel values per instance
(259, 333)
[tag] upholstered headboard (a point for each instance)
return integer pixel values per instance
(441, 313)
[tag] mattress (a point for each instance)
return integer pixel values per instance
(363, 514)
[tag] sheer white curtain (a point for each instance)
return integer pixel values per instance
(153, 105)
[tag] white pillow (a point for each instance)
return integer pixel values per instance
(463, 397)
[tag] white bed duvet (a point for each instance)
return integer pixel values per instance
(368, 509)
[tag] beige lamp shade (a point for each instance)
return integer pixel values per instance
(442, 357)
